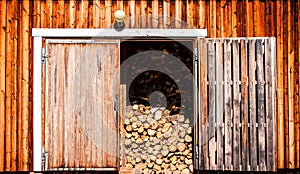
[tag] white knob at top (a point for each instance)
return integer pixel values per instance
(119, 15)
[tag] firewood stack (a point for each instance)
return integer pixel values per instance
(157, 142)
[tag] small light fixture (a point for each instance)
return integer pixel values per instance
(119, 24)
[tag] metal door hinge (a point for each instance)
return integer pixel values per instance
(44, 160)
(196, 54)
(44, 55)
(116, 104)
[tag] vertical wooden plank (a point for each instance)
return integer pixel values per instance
(252, 107)
(54, 14)
(96, 14)
(249, 28)
(115, 56)
(261, 104)
(122, 104)
(101, 104)
(69, 99)
(155, 13)
(166, 13)
(132, 13)
(258, 8)
(291, 83)
(110, 106)
(285, 81)
(48, 102)
(160, 15)
(37, 14)
(76, 118)
(143, 13)
(213, 19)
(120, 5)
(43, 14)
(25, 86)
(218, 19)
(105, 110)
(178, 13)
(14, 80)
(236, 105)
(102, 15)
(61, 103)
(202, 13)
(228, 104)
(234, 18)
(84, 98)
(273, 103)
(84, 15)
(244, 108)
(71, 17)
(269, 104)
(298, 121)
(190, 13)
(50, 113)
(2, 82)
(220, 104)
(280, 88)
(211, 103)
(226, 19)
(239, 15)
(267, 15)
(8, 86)
(138, 14)
(203, 104)
(48, 13)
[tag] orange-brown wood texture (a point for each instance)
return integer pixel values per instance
(80, 121)
(247, 18)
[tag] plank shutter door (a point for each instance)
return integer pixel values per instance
(237, 124)
(81, 129)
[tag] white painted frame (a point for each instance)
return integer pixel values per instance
(40, 33)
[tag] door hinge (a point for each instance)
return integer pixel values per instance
(116, 104)
(196, 54)
(44, 160)
(197, 152)
(44, 55)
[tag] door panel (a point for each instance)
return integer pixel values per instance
(237, 124)
(82, 82)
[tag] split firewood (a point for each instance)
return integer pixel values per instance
(157, 142)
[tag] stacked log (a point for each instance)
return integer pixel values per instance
(157, 142)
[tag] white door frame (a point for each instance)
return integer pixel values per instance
(39, 33)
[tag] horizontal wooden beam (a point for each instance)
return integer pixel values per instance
(112, 33)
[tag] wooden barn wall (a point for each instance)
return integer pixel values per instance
(231, 18)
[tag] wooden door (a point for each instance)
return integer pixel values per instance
(81, 125)
(237, 111)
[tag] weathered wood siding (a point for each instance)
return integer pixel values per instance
(81, 128)
(237, 104)
(232, 18)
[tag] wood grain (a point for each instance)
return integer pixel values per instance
(2, 82)
(220, 103)
(280, 88)
(291, 89)
(76, 120)
(252, 106)
(211, 61)
(228, 104)
(236, 105)
(259, 47)
(203, 104)
(244, 105)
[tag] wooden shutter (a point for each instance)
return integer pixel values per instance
(82, 82)
(237, 124)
